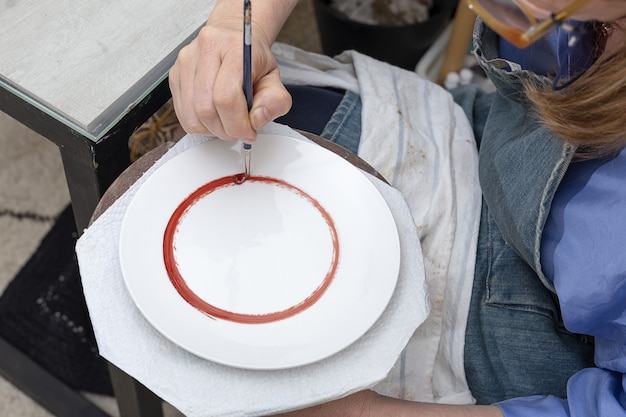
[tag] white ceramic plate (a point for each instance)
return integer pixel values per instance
(285, 269)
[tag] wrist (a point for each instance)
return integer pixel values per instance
(268, 17)
(226, 14)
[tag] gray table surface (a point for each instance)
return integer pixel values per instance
(86, 62)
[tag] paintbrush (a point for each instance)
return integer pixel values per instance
(247, 73)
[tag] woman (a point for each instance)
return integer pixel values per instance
(551, 168)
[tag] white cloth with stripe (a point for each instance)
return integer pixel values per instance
(422, 143)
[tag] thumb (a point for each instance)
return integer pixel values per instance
(271, 100)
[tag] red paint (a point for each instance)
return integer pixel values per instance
(240, 178)
(188, 295)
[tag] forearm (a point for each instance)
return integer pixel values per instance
(397, 408)
(268, 16)
(371, 404)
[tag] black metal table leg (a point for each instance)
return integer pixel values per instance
(133, 398)
(90, 168)
(43, 387)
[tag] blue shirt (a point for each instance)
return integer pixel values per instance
(554, 54)
(584, 252)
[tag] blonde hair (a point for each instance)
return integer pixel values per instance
(591, 112)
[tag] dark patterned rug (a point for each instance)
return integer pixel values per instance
(43, 313)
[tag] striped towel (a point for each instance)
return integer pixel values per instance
(420, 140)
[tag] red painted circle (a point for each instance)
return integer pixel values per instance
(192, 298)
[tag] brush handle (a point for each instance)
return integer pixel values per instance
(247, 66)
(247, 52)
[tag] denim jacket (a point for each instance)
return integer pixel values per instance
(516, 344)
(518, 189)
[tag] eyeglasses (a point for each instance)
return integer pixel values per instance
(516, 23)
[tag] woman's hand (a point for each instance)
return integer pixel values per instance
(207, 79)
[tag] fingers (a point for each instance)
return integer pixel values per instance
(228, 100)
(193, 81)
(181, 81)
(207, 87)
(202, 94)
(271, 100)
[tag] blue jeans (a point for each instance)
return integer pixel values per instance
(344, 127)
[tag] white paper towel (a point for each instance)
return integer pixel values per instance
(198, 387)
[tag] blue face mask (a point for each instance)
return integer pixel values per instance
(562, 54)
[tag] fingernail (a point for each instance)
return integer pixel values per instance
(260, 117)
